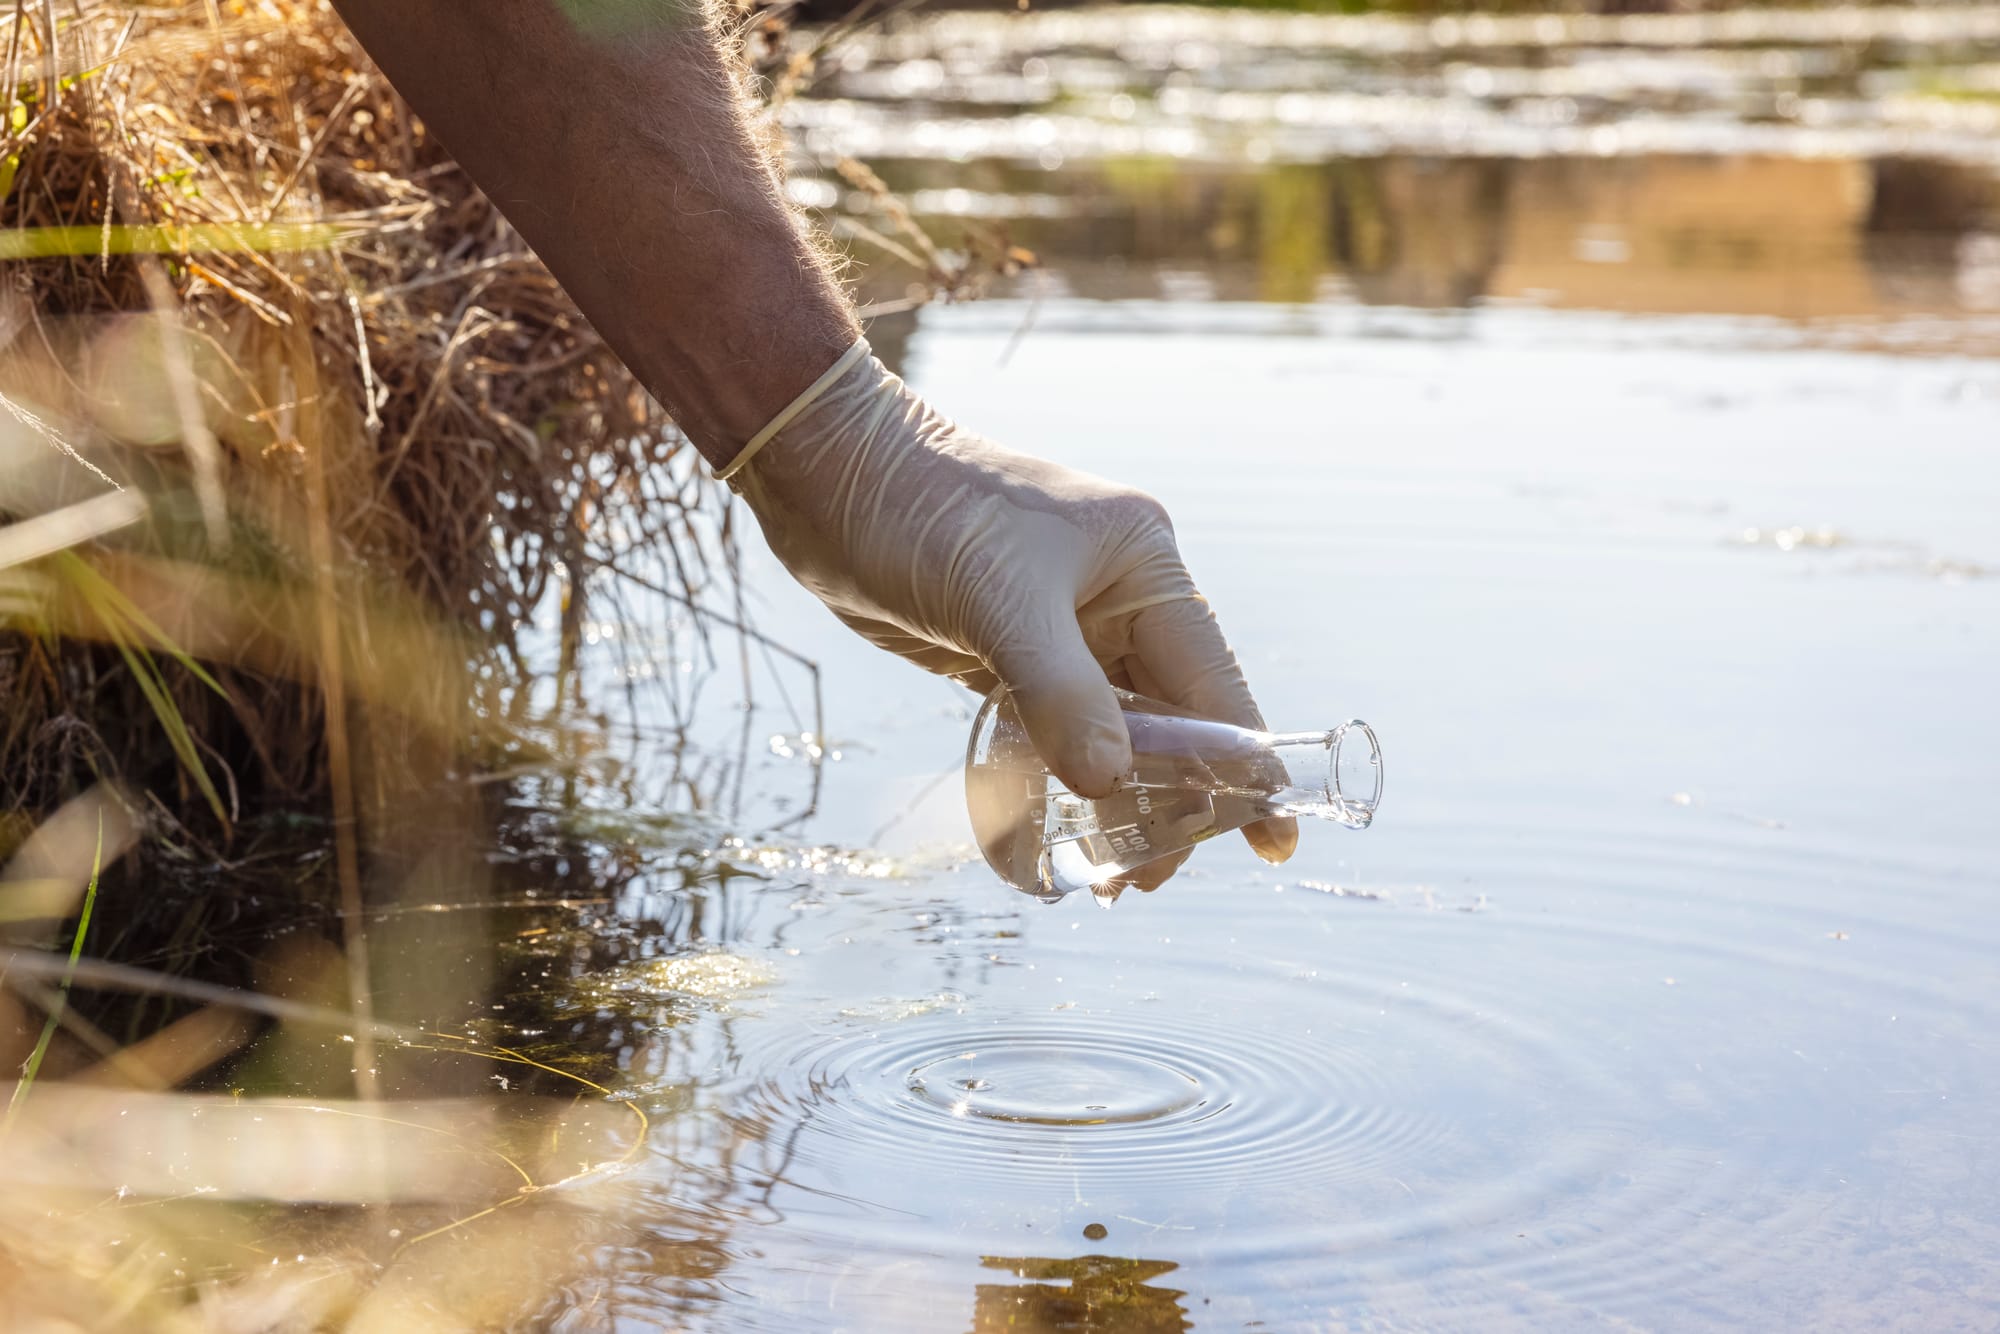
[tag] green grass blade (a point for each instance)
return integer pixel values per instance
(143, 239)
(121, 618)
(33, 1066)
(147, 674)
(101, 593)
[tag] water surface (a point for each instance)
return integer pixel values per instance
(1644, 501)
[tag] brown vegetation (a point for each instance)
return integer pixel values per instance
(245, 284)
(307, 469)
(296, 437)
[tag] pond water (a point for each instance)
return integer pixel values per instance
(1643, 491)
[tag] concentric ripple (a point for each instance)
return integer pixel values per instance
(1354, 1095)
(1100, 1098)
(1685, 1060)
(1067, 1084)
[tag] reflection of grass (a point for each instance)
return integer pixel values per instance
(1142, 174)
(1427, 8)
(1295, 221)
(1118, 1293)
(1307, 6)
(1365, 231)
(1398, 6)
(1947, 86)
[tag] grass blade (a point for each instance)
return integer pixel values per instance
(34, 1063)
(120, 618)
(45, 534)
(105, 596)
(195, 238)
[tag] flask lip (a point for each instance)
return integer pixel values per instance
(1355, 809)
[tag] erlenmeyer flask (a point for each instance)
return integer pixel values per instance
(1192, 778)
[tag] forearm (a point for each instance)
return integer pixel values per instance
(625, 159)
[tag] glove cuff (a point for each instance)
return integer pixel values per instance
(791, 410)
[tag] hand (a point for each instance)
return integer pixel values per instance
(997, 568)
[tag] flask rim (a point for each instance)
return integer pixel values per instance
(1362, 807)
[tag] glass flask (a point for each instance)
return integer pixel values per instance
(1192, 778)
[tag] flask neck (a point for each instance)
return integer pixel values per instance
(1333, 775)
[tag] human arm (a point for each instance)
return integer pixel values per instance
(626, 159)
(622, 152)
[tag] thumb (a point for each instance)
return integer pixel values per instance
(1065, 703)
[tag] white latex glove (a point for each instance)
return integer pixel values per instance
(993, 567)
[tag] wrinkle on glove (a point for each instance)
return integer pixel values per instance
(994, 567)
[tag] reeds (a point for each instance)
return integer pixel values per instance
(307, 469)
(308, 472)
(246, 284)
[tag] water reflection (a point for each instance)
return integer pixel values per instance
(1590, 1057)
(1208, 86)
(1600, 1054)
(1579, 1042)
(1092, 1294)
(1799, 165)
(1468, 1143)
(1794, 239)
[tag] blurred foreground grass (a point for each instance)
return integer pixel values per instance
(307, 471)
(312, 485)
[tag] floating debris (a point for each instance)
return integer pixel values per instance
(823, 859)
(1343, 891)
(889, 1009)
(1874, 556)
(712, 976)
(1792, 539)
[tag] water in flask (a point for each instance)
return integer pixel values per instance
(1191, 779)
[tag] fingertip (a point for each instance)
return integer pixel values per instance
(1066, 705)
(1099, 766)
(1274, 840)
(1080, 735)
(1089, 766)
(1151, 875)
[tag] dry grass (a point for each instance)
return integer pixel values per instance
(250, 286)
(307, 471)
(297, 440)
